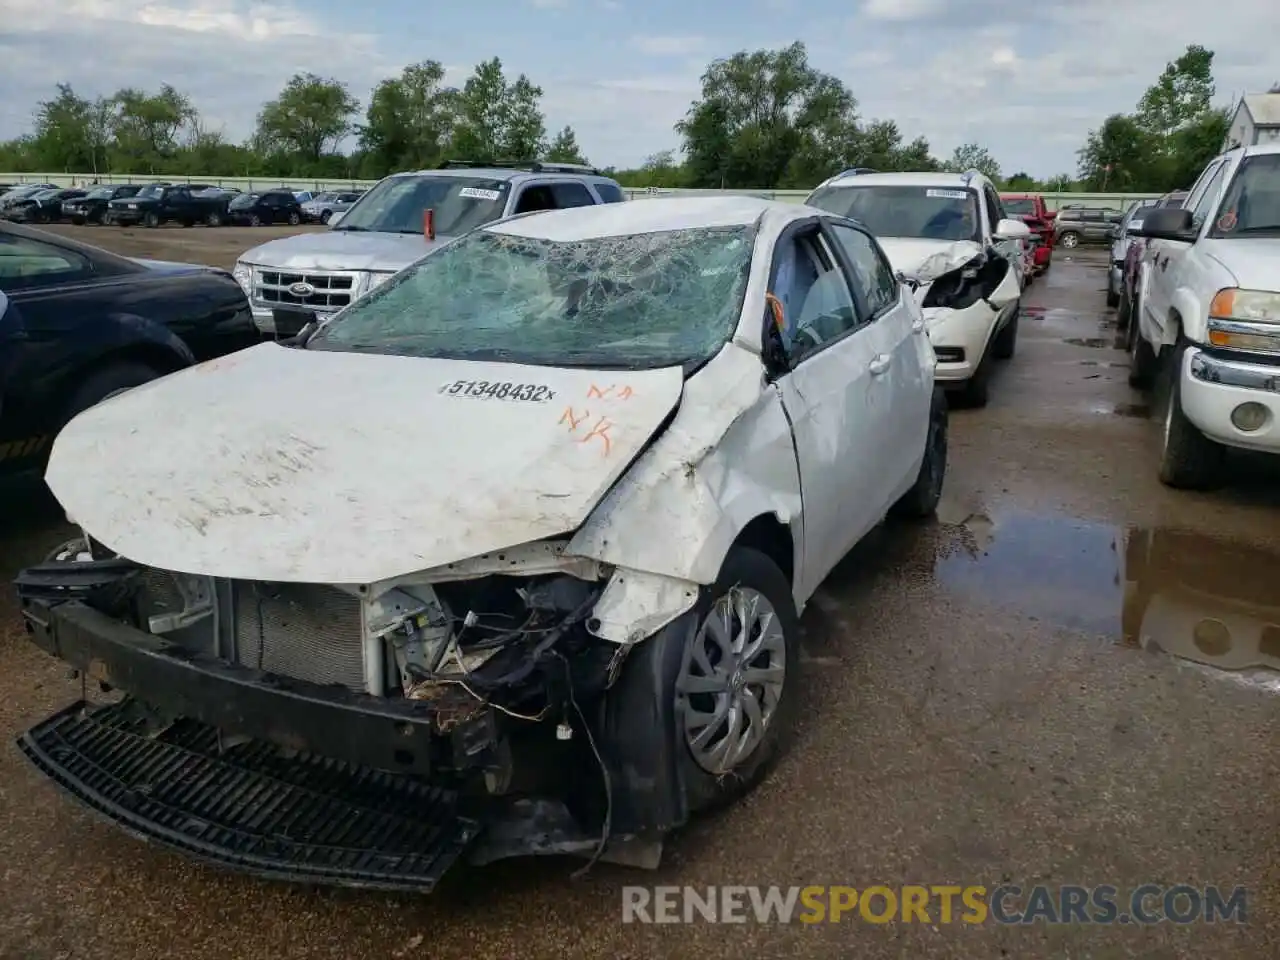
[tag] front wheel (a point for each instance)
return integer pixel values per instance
(213, 219)
(1188, 459)
(255, 220)
(324, 217)
(922, 499)
(1069, 240)
(151, 220)
(1143, 361)
(294, 219)
(1007, 339)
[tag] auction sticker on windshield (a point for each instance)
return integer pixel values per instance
(947, 194)
(499, 390)
(476, 193)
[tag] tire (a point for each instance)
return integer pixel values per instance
(79, 221)
(1007, 339)
(324, 217)
(294, 219)
(255, 220)
(1113, 298)
(922, 499)
(1123, 312)
(151, 220)
(213, 219)
(976, 392)
(659, 686)
(1143, 361)
(108, 381)
(188, 223)
(1188, 459)
(1069, 240)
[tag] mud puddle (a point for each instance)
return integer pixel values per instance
(1096, 343)
(1138, 411)
(1206, 601)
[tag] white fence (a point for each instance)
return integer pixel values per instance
(1052, 200)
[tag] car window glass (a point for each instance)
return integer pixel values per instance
(994, 211)
(610, 192)
(29, 263)
(872, 273)
(1197, 188)
(1208, 197)
(571, 195)
(537, 197)
(817, 306)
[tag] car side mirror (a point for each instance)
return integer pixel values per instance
(1165, 223)
(1012, 230)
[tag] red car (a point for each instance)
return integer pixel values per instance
(1030, 208)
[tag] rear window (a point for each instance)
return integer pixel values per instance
(1019, 206)
(610, 192)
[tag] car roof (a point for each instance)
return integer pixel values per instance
(503, 173)
(923, 179)
(655, 215)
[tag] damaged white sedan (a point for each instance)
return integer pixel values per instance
(948, 234)
(504, 558)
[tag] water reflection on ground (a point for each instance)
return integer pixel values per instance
(1204, 600)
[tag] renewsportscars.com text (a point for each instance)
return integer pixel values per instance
(940, 903)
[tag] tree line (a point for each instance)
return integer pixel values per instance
(764, 119)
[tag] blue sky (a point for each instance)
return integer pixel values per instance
(1028, 80)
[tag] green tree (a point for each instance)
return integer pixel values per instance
(145, 128)
(768, 119)
(498, 120)
(62, 138)
(1021, 182)
(310, 117)
(971, 156)
(410, 120)
(1120, 155)
(1194, 145)
(564, 148)
(880, 147)
(1181, 95)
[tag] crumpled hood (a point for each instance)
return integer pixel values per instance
(284, 465)
(1254, 262)
(343, 250)
(926, 260)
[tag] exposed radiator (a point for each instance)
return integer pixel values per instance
(308, 632)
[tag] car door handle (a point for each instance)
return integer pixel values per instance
(880, 364)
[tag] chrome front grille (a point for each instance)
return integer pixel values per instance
(330, 291)
(309, 632)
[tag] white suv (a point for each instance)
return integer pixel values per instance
(948, 233)
(1208, 305)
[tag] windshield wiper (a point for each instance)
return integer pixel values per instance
(1270, 228)
(351, 229)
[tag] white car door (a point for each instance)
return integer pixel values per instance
(836, 395)
(896, 325)
(1163, 258)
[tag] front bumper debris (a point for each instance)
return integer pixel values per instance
(244, 806)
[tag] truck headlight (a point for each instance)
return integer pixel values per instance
(244, 276)
(1250, 306)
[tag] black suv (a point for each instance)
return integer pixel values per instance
(273, 206)
(92, 207)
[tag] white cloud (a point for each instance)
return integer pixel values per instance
(669, 46)
(901, 10)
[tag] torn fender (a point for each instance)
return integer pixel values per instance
(635, 605)
(726, 458)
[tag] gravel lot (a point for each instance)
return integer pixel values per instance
(974, 714)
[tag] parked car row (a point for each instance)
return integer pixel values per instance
(555, 609)
(1199, 300)
(155, 204)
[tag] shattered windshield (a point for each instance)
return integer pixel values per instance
(641, 301)
(1251, 205)
(396, 205)
(927, 213)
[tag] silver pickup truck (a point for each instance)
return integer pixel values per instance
(296, 279)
